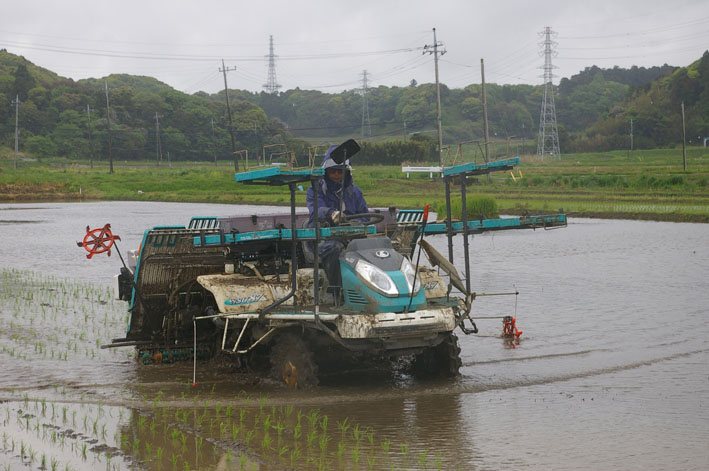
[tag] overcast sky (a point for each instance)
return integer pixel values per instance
(327, 44)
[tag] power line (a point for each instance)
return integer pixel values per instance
(196, 58)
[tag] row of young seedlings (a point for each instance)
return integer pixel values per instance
(56, 430)
(281, 435)
(290, 437)
(57, 319)
(47, 318)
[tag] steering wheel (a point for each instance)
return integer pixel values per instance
(373, 218)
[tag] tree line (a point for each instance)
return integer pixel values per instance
(62, 117)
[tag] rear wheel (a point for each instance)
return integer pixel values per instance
(292, 361)
(441, 360)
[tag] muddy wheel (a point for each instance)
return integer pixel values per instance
(441, 360)
(292, 361)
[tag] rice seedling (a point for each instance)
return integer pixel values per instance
(249, 437)
(279, 429)
(357, 435)
(297, 433)
(310, 438)
(344, 425)
(422, 458)
(323, 442)
(323, 424)
(267, 424)
(266, 442)
(313, 418)
(355, 455)
(295, 454)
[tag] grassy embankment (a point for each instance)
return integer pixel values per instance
(650, 185)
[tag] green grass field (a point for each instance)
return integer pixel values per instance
(649, 184)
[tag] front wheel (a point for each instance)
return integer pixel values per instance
(441, 360)
(292, 361)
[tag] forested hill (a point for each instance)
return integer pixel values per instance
(656, 113)
(62, 117)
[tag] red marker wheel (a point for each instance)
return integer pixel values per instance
(99, 240)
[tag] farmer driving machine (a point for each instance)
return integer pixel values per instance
(251, 288)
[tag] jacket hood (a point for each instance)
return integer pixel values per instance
(329, 163)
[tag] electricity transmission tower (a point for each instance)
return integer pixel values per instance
(548, 141)
(366, 125)
(271, 84)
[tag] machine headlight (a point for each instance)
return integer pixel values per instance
(376, 277)
(410, 273)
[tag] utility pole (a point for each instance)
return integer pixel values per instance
(485, 123)
(214, 143)
(17, 129)
(631, 138)
(435, 52)
(684, 142)
(91, 141)
(108, 120)
(366, 125)
(224, 70)
(158, 147)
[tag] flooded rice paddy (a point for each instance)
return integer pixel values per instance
(612, 371)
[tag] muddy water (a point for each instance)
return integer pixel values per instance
(612, 370)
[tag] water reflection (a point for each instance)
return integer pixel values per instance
(613, 353)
